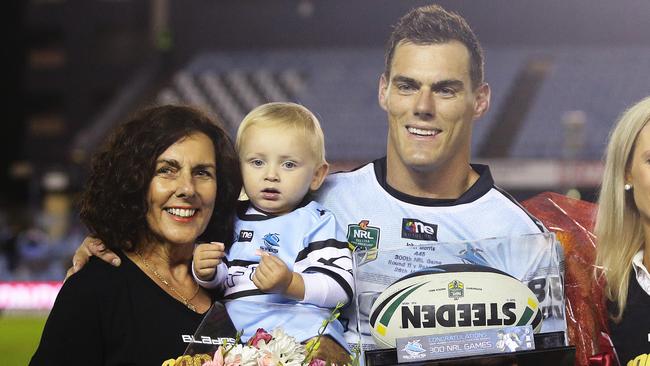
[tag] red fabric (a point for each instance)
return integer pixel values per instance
(602, 359)
(572, 221)
(608, 356)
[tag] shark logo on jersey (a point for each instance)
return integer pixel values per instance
(471, 255)
(271, 240)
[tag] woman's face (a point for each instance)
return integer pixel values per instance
(183, 190)
(639, 173)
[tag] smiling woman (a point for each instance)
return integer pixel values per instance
(117, 198)
(182, 192)
(164, 180)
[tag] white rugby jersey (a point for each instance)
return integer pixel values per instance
(362, 198)
(308, 241)
(375, 215)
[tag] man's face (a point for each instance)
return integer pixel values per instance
(431, 106)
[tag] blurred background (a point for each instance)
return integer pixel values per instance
(561, 72)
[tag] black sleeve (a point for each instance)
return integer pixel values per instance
(72, 333)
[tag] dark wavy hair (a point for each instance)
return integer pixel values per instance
(432, 24)
(114, 203)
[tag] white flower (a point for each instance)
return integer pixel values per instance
(248, 355)
(283, 349)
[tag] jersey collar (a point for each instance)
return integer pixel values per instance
(477, 190)
(246, 211)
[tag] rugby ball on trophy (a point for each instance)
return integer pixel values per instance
(451, 298)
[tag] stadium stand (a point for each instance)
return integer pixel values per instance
(5, 273)
(501, 69)
(601, 82)
(339, 85)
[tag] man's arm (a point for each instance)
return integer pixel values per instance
(88, 248)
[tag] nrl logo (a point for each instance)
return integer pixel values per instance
(362, 236)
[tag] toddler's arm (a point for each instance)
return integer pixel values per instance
(273, 276)
(208, 267)
(322, 290)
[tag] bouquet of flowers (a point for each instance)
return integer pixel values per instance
(276, 349)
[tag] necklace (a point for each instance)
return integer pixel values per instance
(184, 300)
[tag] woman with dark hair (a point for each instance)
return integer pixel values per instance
(165, 179)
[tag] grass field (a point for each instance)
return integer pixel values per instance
(19, 336)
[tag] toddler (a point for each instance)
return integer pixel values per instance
(287, 248)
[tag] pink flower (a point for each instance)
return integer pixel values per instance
(317, 362)
(217, 360)
(261, 334)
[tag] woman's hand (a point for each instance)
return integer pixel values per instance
(89, 247)
(207, 257)
(273, 276)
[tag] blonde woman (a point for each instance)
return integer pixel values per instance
(623, 232)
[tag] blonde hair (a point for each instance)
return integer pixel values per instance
(618, 227)
(288, 115)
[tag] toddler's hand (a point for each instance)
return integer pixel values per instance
(272, 275)
(207, 257)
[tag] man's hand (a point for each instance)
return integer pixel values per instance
(273, 276)
(206, 259)
(89, 247)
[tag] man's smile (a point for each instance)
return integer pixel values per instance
(423, 132)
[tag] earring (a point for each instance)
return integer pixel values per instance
(627, 186)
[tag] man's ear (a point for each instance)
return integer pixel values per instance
(319, 176)
(482, 101)
(383, 90)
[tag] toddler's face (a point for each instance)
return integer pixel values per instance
(278, 167)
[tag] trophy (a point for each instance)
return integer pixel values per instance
(491, 300)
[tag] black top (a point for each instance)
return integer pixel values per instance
(631, 337)
(107, 315)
